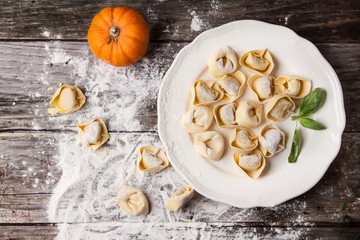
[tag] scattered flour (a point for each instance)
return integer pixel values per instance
(83, 199)
(286, 19)
(196, 23)
(132, 91)
(45, 33)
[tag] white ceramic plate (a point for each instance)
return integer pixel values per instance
(280, 181)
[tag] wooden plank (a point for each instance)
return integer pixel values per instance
(25, 199)
(320, 21)
(28, 232)
(30, 72)
(206, 231)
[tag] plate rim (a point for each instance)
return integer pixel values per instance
(316, 52)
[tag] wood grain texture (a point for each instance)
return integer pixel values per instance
(320, 21)
(45, 232)
(26, 194)
(30, 72)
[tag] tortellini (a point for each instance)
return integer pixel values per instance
(262, 87)
(152, 159)
(279, 107)
(180, 198)
(210, 145)
(225, 115)
(249, 114)
(293, 86)
(67, 99)
(93, 133)
(197, 119)
(251, 164)
(233, 85)
(269, 99)
(206, 92)
(272, 140)
(133, 201)
(223, 61)
(243, 140)
(259, 61)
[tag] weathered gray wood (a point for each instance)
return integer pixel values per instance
(208, 232)
(23, 199)
(320, 21)
(28, 232)
(30, 72)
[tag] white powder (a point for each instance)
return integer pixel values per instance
(196, 23)
(131, 90)
(90, 181)
(45, 33)
(271, 141)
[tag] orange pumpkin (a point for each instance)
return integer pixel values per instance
(118, 36)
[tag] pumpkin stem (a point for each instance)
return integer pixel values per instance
(114, 31)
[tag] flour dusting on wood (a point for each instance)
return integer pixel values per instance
(91, 181)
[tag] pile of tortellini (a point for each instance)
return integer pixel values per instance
(93, 134)
(221, 100)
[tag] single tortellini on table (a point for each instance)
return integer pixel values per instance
(152, 159)
(67, 99)
(293, 86)
(249, 114)
(210, 145)
(279, 108)
(243, 140)
(133, 201)
(206, 92)
(197, 119)
(180, 198)
(93, 133)
(233, 85)
(262, 87)
(272, 140)
(258, 61)
(225, 116)
(223, 61)
(251, 164)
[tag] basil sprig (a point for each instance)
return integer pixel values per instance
(309, 105)
(310, 123)
(295, 147)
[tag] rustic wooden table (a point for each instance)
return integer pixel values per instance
(32, 32)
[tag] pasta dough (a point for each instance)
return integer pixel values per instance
(93, 133)
(67, 99)
(133, 201)
(293, 86)
(210, 145)
(243, 140)
(180, 198)
(206, 92)
(279, 107)
(272, 140)
(152, 159)
(251, 164)
(262, 87)
(197, 119)
(225, 115)
(249, 114)
(258, 61)
(222, 62)
(233, 85)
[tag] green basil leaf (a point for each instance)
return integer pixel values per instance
(312, 102)
(342, 206)
(295, 147)
(310, 123)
